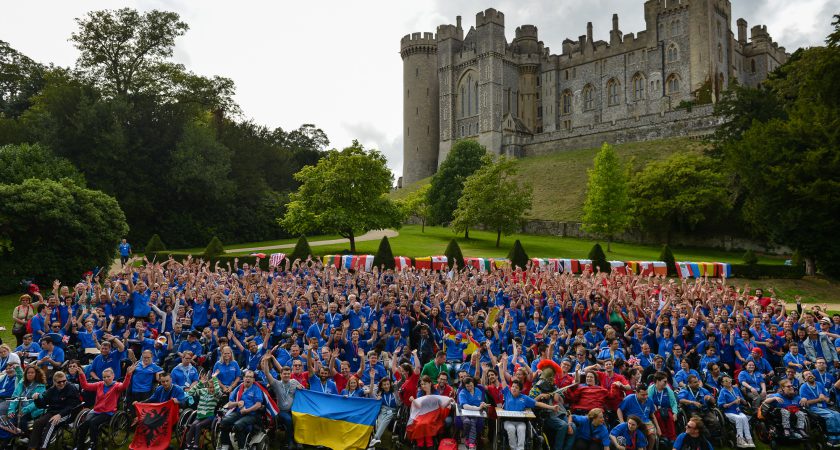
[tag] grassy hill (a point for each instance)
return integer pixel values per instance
(559, 179)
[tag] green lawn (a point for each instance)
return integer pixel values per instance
(7, 304)
(230, 248)
(559, 179)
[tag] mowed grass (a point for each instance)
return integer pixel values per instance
(262, 244)
(559, 179)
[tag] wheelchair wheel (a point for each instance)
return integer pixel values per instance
(80, 417)
(119, 429)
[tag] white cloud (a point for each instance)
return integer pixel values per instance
(336, 64)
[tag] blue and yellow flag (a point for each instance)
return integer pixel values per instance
(333, 421)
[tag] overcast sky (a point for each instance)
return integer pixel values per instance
(336, 63)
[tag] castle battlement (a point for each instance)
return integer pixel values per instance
(625, 86)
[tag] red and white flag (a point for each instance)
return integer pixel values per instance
(427, 416)
(275, 259)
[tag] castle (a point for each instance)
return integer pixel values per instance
(519, 99)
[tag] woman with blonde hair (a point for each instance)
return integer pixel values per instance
(21, 315)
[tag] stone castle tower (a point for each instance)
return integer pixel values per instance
(519, 99)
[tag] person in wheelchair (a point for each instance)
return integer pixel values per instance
(816, 401)
(168, 391)
(23, 411)
(695, 400)
(59, 401)
(544, 389)
(788, 401)
(629, 435)
(209, 393)
(108, 393)
(243, 408)
(752, 383)
(692, 438)
(730, 400)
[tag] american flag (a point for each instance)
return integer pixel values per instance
(275, 259)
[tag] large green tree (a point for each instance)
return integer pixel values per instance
(463, 159)
(417, 204)
(55, 229)
(606, 208)
(679, 193)
(345, 193)
(493, 197)
(24, 161)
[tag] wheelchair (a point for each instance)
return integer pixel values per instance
(719, 430)
(535, 439)
(257, 435)
(767, 428)
(113, 434)
(61, 439)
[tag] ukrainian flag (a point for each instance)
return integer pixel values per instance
(333, 421)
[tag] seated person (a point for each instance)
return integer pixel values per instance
(698, 401)
(629, 435)
(816, 400)
(788, 401)
(166, 391)
(730, 400)
(692, 438)
(244, 406)
(641, 406)
(591, 432)
(185, 375)
(51, 356)
(32, 380)
(108, 394)
(59, 401)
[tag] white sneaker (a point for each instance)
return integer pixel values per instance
(741, 442)
(750, 442)
(224, 447)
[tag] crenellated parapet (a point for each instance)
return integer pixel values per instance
(418, 43)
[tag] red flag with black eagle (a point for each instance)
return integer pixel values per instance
(154, 425)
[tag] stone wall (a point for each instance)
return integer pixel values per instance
(574, 230)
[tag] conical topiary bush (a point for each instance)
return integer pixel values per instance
(454, 255)
(384, 256)
(517, 255)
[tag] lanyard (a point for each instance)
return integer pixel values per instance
(643, 410)
(812, 391)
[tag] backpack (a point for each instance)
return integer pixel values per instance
(29, 325)
(448, 444)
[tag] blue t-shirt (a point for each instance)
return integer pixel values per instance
(112, 361)
(227, 372)
(175, 392)
(809, 392)
(678, 444)
(630, 441)
(144, 377)
(327, 388)
(140, 304)
(125, 249)
(754, 380)
(57, 355)
(727, 396)
(184, 376)
(631, 406)
(518, 403)
(474, 399)
(250, 396)
(586, 432)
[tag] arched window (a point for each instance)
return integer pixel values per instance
(566, 102)
(588, 97)
(468, 91)
(720, 53)
(662, 31)
(463, 103)
(673, 84)
(677, 28)
(612, 92)
(638, 86)
(475, 98)
(673, 53)
(752, 65)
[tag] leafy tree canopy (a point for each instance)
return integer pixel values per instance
(20, 162)
(463, 160)
(606, 208)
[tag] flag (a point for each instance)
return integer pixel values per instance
(585, 265)
(427, 416)
(402, 262)
(333, 421)
(258, 255)
(683, 270)
(660, 268)
(154, 425)
(618, 267)
(423, 263)
(439, 262)
(275, 259)
(461, 338)
(268, 401)
(492, 315)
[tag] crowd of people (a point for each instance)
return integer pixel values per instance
(604, 361)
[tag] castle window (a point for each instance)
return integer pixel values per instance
(673, 53)
(673, 84)
(677, 28)
(752, 65)
(463, 102)
(720, 53)
(574, 72)
(567, 74)
(468, 91)
(638, 87)
(475, 98)
(612, 92)
(720, 29)
(417, 72)
(662, 31)
(588, 97)
(567, 102)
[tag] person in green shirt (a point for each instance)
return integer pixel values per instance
(434, 367)
(208, 392)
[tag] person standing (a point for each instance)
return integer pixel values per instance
(125, 252)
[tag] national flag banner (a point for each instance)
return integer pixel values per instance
(645, 268)
(439, 262)
(683, 270)
(695, 270)
(268, 401)
(554, 265)
(363, 262)
(633, 266)
(618, 267)
(481, 264)
(660, 268)
(427, 416)
(462, 338)
(539, 262)
(401, 263)
(333, 421)
(347, 261)
(492, 315)
(424, 262)
(275, 259)
(258, 255)
(333, 260)
(723, 269)
(500, 263)
(154, 425)
(585, 265)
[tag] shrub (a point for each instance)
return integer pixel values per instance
(154, 245)
(750, 258)
(384, 256)
(214, 248)
(667, 256)
(767, 271)
(517, 256)
(599, 259)
(302, 250)
(454, 255)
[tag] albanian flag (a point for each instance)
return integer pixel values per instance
(154, 425)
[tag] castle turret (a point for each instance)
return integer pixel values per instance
(491, 48)
(742, 31)
(420, 106)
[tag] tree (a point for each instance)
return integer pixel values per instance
(154, 245)
(517, 255)
(344, 194)
(302, 250)
(417, 204)
(667, 256)
(493, 197)
(454, 256)
(214, 248)
(55, 229)
(19, 162)
(384, 256)
(606, 208)
(463, 159)
(123, 49)
(749, 258)
(680, 192)
(738, 108)
(599, 259)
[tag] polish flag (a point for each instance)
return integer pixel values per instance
(427, 416)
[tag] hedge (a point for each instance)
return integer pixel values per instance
(767, 271)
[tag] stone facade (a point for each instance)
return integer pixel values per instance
(518, 98)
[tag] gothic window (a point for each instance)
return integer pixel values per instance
(468, 91)
(612, 92)
(463, 102)
(720, 29)
(752, 65)
(567, 102)
(673, 84)
(720, 53)
(662, 31)
(588, 97)
(638, 86)
(475, 98)
(677, 28)
(673, 53)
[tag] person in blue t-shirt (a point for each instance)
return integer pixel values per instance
(730, 400)
(629, 435)
(816, 397)
(168, 391)
(227, 370)
(145, 375)
(692, 438)
(516, 400)
(641, 406)
(786, 400)
(51, 356)
(591, 432)
(125, 252)
(108, 358)
(244, 404)
(185, 375)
